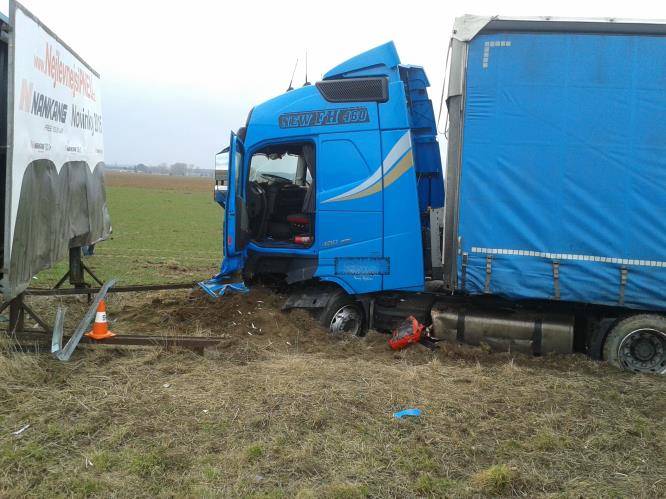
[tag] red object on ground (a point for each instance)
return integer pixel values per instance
(406, 333)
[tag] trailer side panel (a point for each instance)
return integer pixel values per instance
(563, 168)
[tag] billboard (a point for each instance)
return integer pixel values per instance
(54, 184)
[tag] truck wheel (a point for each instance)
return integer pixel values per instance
(343, 316)
(638, 344)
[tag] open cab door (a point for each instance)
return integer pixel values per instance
(236, 220)
(230, 194)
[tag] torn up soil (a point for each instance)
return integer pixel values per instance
(251, 325)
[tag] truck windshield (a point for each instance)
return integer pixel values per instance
(278, 165)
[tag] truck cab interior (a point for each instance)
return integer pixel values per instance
(281, 195)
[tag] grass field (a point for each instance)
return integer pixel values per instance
(165, 229)
(280, 409)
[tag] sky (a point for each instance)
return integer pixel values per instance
(178, 76)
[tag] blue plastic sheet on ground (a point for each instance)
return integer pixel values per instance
(215, 287)
(407, 412)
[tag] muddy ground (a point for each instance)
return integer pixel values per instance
(160, 182)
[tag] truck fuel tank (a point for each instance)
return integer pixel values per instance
(503, 331)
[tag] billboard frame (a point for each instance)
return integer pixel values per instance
(9, 36)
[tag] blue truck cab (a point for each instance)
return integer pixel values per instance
(552, 234)
(333, 182)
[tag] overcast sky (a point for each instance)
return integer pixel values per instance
(177, 76)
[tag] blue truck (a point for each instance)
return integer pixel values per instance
(546, 232)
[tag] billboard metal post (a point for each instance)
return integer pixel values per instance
(76, 272)
(18, 309)
(16, 315)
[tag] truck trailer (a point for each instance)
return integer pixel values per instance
(547, 232)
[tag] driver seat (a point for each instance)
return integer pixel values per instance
(301, 219)
(300, 224)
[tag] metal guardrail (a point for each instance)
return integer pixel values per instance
(118, 289)
(64, 353)
(57, 338)
(194, 343)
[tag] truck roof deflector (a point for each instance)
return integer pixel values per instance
(373, 62)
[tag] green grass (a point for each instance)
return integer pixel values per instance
(159, 236)
(496, 480)
(319, 425)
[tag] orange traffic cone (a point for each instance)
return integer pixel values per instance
(100, 330)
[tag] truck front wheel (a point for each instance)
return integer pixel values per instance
(343, 316)
(638, 344)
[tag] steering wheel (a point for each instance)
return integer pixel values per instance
(275, 178)
(256, 200)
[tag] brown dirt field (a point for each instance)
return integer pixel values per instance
(160, 182)
(281, 409)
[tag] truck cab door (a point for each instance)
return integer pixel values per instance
(236, 220)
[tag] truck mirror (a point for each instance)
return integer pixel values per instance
(221, 176)
(220, 194)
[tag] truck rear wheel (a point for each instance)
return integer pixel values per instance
(343, 316)
(638, 344)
